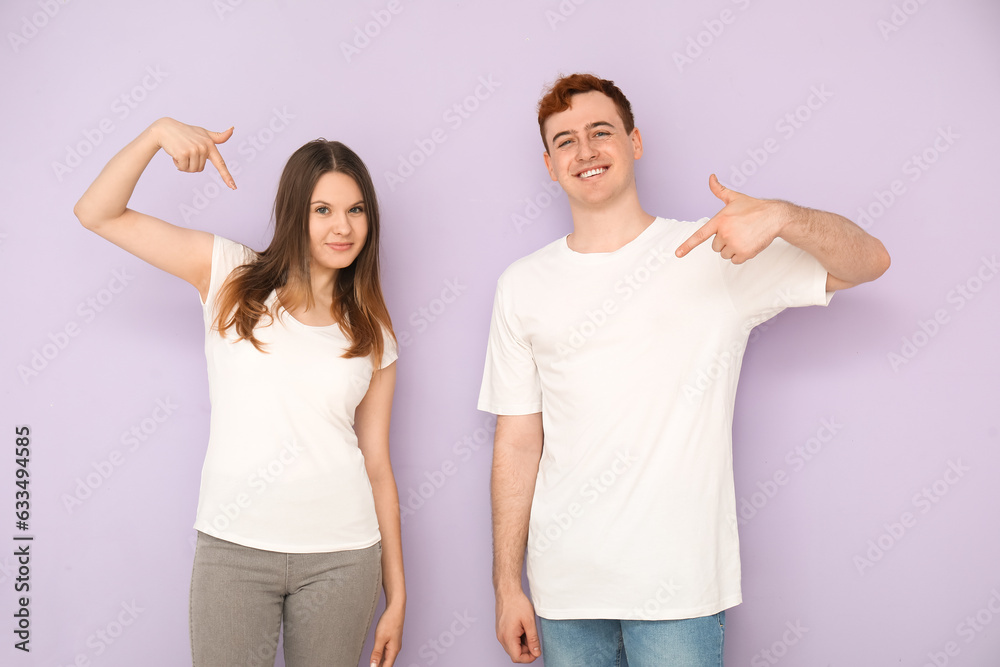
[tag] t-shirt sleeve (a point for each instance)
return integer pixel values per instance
(226, 256)
(781, 276)
(390, 350)
(510, 380)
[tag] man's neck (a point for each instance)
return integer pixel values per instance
(607, 228)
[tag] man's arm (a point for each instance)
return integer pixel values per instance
(745, 226)
(849, 254)
(517, 449)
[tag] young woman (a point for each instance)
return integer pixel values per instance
(298, 515)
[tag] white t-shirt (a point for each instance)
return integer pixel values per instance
(632, 357)
(283, 471)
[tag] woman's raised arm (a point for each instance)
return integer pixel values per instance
(103, 208)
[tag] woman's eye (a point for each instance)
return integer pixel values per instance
(357, 209)
(322, 210)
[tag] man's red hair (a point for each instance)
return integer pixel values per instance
(559, 94)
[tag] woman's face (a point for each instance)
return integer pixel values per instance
(338, 222)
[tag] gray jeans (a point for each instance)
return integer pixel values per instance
(240, 597)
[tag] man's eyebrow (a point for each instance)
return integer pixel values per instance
(589, 126)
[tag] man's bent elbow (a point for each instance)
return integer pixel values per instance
(879, 263)
(884, 260)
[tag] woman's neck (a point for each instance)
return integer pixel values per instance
(294, 299)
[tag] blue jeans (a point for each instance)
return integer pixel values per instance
(690, 642)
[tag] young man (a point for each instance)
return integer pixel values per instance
(619, 347)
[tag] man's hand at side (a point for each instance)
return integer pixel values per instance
(516, 629)
(517, 450)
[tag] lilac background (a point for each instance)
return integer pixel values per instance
(455, 219)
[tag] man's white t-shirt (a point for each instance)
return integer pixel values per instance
(633, 357)
(283, 471)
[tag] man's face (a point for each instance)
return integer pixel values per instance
(589, 152)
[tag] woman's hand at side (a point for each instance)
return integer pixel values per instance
(371, 423)
(388, 636)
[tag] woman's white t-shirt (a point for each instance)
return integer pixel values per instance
(283, 471)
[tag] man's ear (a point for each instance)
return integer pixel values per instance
(548, 165)
(636, 143)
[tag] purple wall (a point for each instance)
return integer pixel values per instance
(866, 433)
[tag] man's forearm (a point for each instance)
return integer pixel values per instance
(516, 453)
(846, 251)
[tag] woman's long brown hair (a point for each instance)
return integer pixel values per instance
(358, 305)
